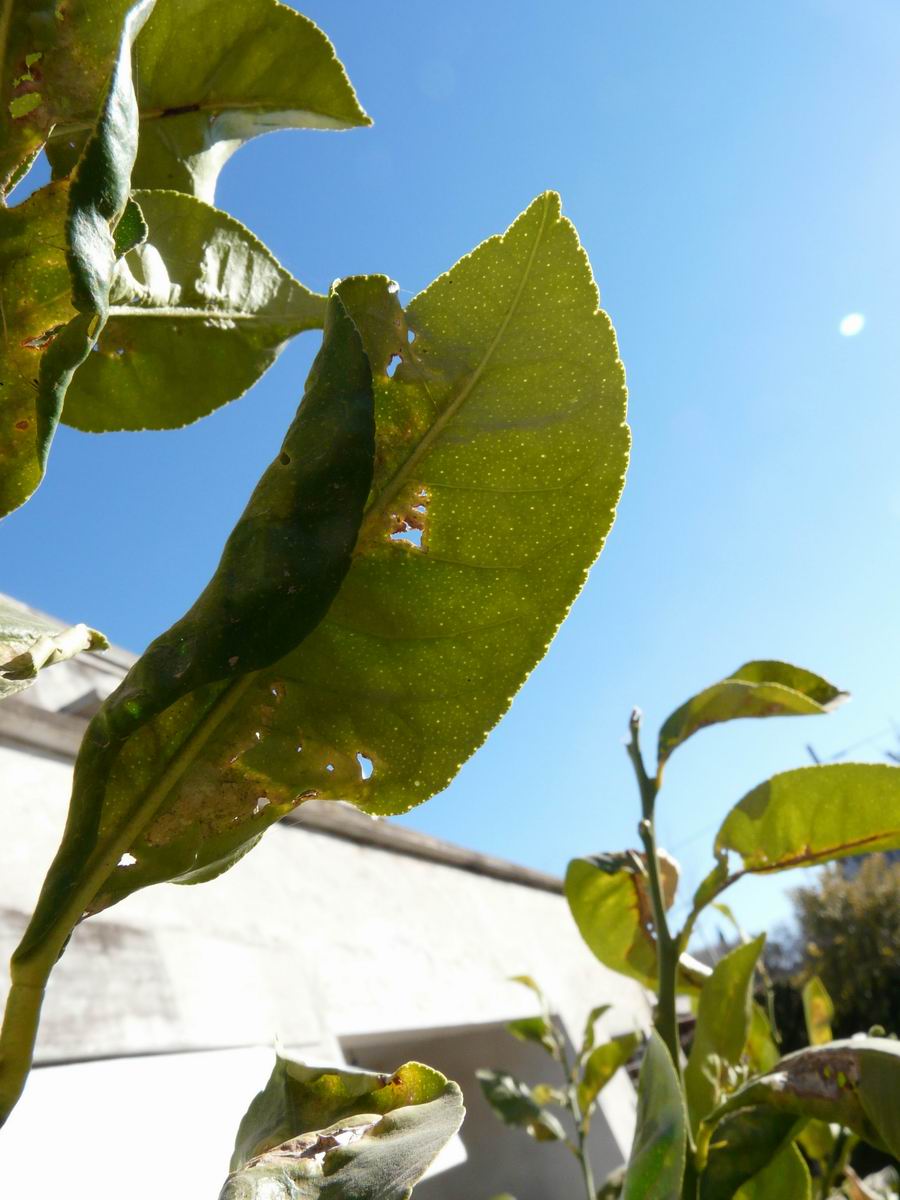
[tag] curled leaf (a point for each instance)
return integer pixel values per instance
(656, 1164)
(29, 643)
(757, 689)
(342, 1134)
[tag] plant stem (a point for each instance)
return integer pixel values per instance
(667, 946)
(571, 1092)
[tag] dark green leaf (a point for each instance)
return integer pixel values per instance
(743, 1144)
(815, 814)
(29, 643)
(537, 1030)
(341, 1134)
(853, 1083)
(515, 1105)
(198, 312)
(723, 1026)
(39, 365)
(608, 898)
(757, 689)
(599, 1068)
(152, 777)
(212, 76)
(656, 1164)
(785, 1178)
(818, 1011)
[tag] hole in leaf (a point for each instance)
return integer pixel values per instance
(329, 767)
(392, 366)
(365, 765)
(127, 860)
(410, 336)
(261, 803)
(412, 537)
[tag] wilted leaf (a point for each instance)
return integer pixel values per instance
(608, 899)
(537, 1030)
(818, 1011)
(785, 1178)
(815, 814)
(656, 1164)
(743, 1145)
(723, 1026)
(197, 313)
(47, 334)
(853, 1083)
(134, 789)
(212, 76)
(515, 1104)
(28, 643)
(757, 689)
(599, 1068)
(342, 1134)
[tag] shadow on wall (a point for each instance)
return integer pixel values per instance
(498, 1159)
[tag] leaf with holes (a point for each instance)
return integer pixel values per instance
(608, 898)
(52, 320)
(853, 1083)
(656, 1164)
(743, 1145)
(198, 313)
(598, 1069)
(757, 689)
(212, 76)
(280, 570)
(515, 1104)
(722, 1030)
(814, 815)
(342, 1134)
(29, 643)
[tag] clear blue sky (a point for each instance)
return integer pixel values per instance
(734, 172)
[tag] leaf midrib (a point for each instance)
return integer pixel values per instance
(82, 125)
(380, 502)
(133, 311)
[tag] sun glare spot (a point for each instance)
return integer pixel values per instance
(852, 324)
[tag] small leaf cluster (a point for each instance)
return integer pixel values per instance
(736, 1118)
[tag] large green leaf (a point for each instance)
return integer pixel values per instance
(47, 336)
(212, 76)
(785, 1178)
(516, 1105)
(424, 645)
(54, 64)
(853, 1083)
(29, 643)
(723, 1027)
(342, 1134)
(657, 1161)
(197, 313)
(599, 1067)
(744, 1144)
(757, 689)
(814, 814)
(280, 570)
(608, 897)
